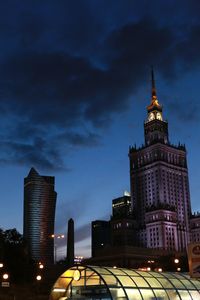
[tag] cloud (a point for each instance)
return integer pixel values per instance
(65, 73)
(184, 112)
(83, 232)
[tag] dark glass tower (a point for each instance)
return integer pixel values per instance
(39, 216)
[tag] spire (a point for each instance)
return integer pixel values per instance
(154, 100)
(153, 84)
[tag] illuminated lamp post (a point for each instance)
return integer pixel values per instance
(38, 277)
(5, 276)
(176, 261)
(56, 236)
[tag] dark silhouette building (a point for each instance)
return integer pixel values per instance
(100, 236)
(39, 216)
(70, 243)
(123, 229)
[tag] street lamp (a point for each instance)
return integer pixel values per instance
(56, 236)
(5, 276)
(176, 260)
(41, 266)
(38, 277)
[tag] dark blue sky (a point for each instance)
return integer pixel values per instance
(74, 86)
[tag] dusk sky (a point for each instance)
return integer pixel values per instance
(74, 87)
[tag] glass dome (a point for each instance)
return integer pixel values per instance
(93, 282)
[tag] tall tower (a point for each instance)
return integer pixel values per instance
(70, 243)
(39, 216)
(159, 185)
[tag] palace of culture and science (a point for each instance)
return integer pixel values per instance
(157, 215)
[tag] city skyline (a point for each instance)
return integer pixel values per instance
(75, 85)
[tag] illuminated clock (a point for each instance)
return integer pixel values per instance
(77, 275)
(159, 116)
(151, 116)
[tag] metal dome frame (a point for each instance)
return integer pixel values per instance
(95, 282)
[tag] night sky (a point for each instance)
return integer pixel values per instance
(74, 87)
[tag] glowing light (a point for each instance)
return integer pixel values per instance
(5, 276)
(1, 265)
(38, 277)
(178, 269)
(59, 290)
(126, 193)
(176, 260)
(151, 261)
(159, 269)
(77, 275)
(58, 236)
(148, 269)
(41, 266)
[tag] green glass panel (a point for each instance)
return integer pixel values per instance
(140, 282)
(110, 280)
(165, 283)
(178, 276)
(147, 294)
(196, 283)
(153, 282)
(161, 294)
(116, 271)
(184, 295)
(173, 295)
(156, 274)
(144, 274)
(131, 272)
(101, 270)
(177, 283)
(133, 294)
(126, 281)
(188, 284)
(169, 275)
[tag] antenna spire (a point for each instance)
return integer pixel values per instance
(153, 84)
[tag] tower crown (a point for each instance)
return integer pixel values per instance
(154, 109)
(156, 130)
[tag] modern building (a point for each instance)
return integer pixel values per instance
(159, 185)
(100, 236)
(95, 282)
(123, 226)
(121, 207)
(39, 216)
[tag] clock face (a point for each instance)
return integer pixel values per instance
(151, 116)
(77, 275)
(159, 116)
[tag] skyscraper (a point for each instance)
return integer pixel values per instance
(156, 221)
(39, 216)
(159, 185)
